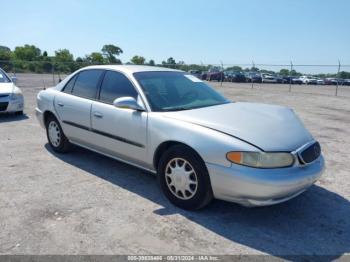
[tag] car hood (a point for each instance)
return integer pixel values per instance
(268, 127)
(6, 88)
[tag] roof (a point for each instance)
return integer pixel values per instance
(130, 69)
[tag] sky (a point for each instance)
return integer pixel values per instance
(194, 31)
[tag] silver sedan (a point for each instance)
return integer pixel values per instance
(200, 144)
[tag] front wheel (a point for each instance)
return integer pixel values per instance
(57, 140)
(184, 178)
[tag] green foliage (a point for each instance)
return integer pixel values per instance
(344, 75)
(5, 57)
(138, 60)
(63, 61)
(234, 68)
(110, 51)
(27, 53)
(284, 72)
(29, 58)
(96, 58)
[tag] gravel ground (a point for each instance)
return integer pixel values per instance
(85, 203)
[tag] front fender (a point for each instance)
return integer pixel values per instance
(210, 144)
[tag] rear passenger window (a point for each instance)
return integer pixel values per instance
(116, 85)
(69, 86)
(86, 83)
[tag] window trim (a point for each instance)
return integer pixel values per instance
(98, 99)
(64, 88)
(136, 86)
(98, 85)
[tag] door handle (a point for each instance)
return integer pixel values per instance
(98, 115)
(60, 104)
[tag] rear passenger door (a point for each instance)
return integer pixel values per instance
(73, 105)
(119, 132)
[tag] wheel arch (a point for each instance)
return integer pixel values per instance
(47, 114)
(164, 146)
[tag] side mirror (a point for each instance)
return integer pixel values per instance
(129, 103)
(14, 79)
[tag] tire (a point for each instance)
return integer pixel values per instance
(19, 113)
(57, 140)
(185, 159)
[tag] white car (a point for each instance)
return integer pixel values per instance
(11, 97)
(268, 78)
(308, 80)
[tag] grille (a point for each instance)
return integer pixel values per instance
(3, 106)
(311, 153)
(4, 95)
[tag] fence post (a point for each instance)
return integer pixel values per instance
(221, 73)
(290, 76)
(53, 74)
(336, 89)
(253, 66)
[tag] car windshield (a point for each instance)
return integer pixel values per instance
(174, 91)
(3, 77)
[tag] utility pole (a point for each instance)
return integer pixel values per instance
(253, 66)
(290, 76)
(222, 72)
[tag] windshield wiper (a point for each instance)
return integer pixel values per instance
(176, 109)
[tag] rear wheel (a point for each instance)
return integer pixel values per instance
(19, 113)
(184, 178)
(57, 140)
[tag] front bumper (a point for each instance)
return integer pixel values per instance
(260, 187)
(11, 106)
(40, 116)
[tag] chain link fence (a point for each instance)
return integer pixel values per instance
(328, 79)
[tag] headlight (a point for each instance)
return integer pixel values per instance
(261, 159)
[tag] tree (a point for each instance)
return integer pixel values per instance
(138, 60)
(151, 62)
(284, 72)
(63, 60)
(110, 51)
(5, 57)
(4, 49)
(170, 62)
(95, 58)
(234, 68)
(27, 53)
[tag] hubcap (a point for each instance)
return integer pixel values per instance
(181, 178)
(54, 134)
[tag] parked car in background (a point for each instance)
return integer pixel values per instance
(253, 77)
(196, 73)
(199, 144)
(280, 79)
(330, 81)
(11, 97)
(309, 80)
(346, 82)
(204, 75)
(215, 75)
(320, 81)
(268, 78)
(234, 76)
(292, 80)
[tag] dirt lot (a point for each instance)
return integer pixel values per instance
(84, 203)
